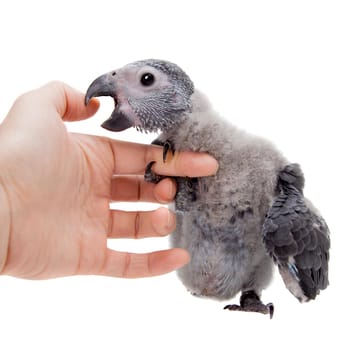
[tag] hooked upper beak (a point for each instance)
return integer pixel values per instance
(106, 85)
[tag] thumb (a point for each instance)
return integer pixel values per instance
(68, 102)
(55, 99)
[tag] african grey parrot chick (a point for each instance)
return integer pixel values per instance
(235, 224)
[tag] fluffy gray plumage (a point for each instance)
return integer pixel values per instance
(235, 224)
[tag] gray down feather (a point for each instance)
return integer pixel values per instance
(241, 221)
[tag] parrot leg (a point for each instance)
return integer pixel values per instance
(251, 302)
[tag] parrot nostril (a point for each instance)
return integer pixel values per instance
(114, 74)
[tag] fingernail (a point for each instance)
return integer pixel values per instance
(171, 190)
(168, 221)
(206, 163)
(213, 164)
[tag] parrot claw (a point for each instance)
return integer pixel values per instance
(168, 146)
(250, 302)
(150, 175)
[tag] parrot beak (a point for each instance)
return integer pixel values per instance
(106, 85)
(102, 86)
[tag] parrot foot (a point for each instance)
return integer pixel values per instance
(151, 176)
(250, 302)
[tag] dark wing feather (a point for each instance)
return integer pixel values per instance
(297, 238)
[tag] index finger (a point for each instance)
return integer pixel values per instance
(132, 158)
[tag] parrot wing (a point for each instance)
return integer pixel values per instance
(297, 237)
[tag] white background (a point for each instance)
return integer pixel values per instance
(276, 68)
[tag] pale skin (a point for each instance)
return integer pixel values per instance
(56, 187)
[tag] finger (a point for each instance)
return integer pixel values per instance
(136, 225)
(67, 102)
(165, 190)
(134, 189)
(132, 265)
(190, 164)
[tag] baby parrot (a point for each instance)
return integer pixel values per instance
(237, 224)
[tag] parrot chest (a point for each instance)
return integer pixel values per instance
(221, 259)
(220, 225)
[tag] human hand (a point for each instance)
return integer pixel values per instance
(56, 187)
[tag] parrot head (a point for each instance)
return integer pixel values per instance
(151, 95)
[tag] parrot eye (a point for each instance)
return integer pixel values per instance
(147, 79)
